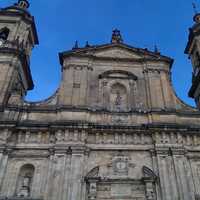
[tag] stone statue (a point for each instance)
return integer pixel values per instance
(118, 100)
(26, 181)
(25, 187)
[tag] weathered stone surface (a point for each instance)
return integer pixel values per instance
(114, 129)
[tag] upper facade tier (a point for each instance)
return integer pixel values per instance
(99, 84)
(115, 77)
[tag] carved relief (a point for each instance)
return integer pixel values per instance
(94, 173)
(109, 187)
(5, 135)
(120, 165)
(181, 138)
(119, 138)
(92, 179)
(149, 179)
(46, 137)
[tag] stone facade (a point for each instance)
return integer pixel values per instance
(114, 129)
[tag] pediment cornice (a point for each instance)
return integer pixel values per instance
(120, 52)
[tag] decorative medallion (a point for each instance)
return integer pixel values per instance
(120, 165)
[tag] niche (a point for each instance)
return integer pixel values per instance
(25, 180)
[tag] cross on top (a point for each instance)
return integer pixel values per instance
(23, 4)
(116, 36)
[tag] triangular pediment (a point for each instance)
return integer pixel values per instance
(120, 51)
(117, 52)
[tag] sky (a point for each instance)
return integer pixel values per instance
(143, 23)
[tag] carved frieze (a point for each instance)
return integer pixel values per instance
(176, 138)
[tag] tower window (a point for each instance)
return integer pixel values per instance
(4, 33)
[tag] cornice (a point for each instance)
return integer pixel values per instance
(132, 60)
(83, 52)
(97, 110)
(52, 126)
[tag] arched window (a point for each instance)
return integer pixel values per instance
(118, 97)
(25, 180)
(4, 32)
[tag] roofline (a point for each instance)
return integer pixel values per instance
(76, 52)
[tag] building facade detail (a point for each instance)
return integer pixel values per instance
(114, 129)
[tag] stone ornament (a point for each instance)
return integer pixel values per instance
(120, 166)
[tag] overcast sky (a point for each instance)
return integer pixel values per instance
(143, 23)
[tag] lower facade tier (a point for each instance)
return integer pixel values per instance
(99, 164)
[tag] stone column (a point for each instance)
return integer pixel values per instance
(49, 174)
(155, 89)
(78, 185)
(155, 169)
(67, 176)
(57, 170)
(3, 166)
(183, 174)
(168, 99)
(84, 86)
(147, 88)
(5, 78)
(66, 89)
(167, 175)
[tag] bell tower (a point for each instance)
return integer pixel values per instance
(18, 36)
(193, 51)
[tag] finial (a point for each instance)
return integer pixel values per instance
(196, 17)
(87, 44)
(156, 50)
(23, 4)
(194, 8)
(75, 45)
(116, 36)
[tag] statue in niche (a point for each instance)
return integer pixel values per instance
(118, 100)
(25, 186)
(118, 97)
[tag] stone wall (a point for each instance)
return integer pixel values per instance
(98, 163)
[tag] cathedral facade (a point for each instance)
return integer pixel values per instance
(113, 130)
